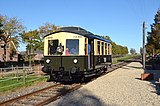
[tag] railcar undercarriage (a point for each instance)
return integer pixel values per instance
(75, 75)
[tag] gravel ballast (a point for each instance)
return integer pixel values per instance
(23, 91)
(121, 87)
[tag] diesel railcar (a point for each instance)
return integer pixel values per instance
(73, 53)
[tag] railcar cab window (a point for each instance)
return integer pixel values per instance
(52, 47)
(72, 46)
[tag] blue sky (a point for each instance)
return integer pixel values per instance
(120, 19)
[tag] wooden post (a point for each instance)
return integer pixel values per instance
(24, 78)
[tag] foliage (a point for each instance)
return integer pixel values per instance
(124, 58)
(47, 28)
(117, 49)
(107, 37)
(1, 31)
(132, 51)
(153, 39)
(12, 27)
(141, 50)
(32, 40)
(10, 36)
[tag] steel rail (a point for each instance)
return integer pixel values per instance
(53, 98)
(27, 95)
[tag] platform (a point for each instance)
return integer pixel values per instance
(122, 87)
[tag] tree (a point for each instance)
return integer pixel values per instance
(11, 29)
(1, 31)
(107, 37)
(133, 51)
(47, 28)
(141, 51)
(32, 39)
(117, 49)
(153, 39)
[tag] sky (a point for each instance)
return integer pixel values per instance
(120, 19)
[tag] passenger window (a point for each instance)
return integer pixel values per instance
(72, 46)
(52, 46)
(102, 48)
(105, 48)
(98, 47)
(108, 49)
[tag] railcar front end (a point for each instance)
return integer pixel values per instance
(73, 53)
(63, 56)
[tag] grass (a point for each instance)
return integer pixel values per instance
(11, 84)
(13, 81)
(127, 57)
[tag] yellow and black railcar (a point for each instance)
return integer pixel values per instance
(73, 53)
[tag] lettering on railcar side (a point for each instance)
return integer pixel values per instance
(49, 38)
(77, 36)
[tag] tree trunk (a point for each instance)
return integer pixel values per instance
(5, 52)
(153, 51)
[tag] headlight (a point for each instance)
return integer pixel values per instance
(48, 61)
(75, 61)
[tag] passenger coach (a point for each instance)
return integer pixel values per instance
(72, 53)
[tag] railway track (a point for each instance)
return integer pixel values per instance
(51, 93)
(116, 66)
(41, 97)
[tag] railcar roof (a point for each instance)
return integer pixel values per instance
(80, 31)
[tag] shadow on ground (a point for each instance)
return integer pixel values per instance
(157, 87)
(79, 98)
(155, 82)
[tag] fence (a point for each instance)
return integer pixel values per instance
(13, 77)
(13, 68)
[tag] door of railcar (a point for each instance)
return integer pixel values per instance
(90, 53)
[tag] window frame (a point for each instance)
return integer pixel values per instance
(73, 49)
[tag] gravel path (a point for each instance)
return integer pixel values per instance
(121, 87)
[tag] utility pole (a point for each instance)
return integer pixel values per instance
(144, 49)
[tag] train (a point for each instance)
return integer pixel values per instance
(72, 54)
